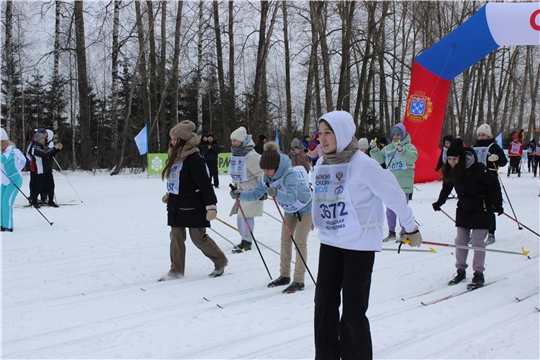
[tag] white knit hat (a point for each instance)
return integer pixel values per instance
(3, 134)
(239, 134)
(363, 143)
(484, 129)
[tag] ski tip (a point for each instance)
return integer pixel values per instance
(219, 306)
(421, 302)
(525, 252)
(432, 250)
(205, 298)
(402, 299)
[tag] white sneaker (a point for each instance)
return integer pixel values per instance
(490, 239)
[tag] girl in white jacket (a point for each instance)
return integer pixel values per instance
(349, 191)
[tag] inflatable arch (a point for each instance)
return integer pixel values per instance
(494, 25)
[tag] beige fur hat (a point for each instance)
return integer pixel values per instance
(183, 130)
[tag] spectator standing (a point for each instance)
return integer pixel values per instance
(259, 147)
(210, 153)
(531, 149)
(44, 176)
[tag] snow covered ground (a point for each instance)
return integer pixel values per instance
(86, 286)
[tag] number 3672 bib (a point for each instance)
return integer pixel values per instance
(332, 208)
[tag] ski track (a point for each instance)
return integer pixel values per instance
(89, 291)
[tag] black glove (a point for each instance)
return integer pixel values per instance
(499, 210)
(306, 150)
(436, 206)
(264, 197)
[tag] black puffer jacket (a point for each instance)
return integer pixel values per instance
(188, 208)
(479, 194)
(212, 153)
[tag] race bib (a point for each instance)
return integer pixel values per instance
(288, 208)
(481, 153)
(173, 182)
(301, 174)
(515, 148)
(394, 162)
(238, 168)
(332, 208)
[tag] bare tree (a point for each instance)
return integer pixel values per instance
(84, 98)
(176, 58)
(224, 100)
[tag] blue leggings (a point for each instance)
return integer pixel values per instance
(9, 193)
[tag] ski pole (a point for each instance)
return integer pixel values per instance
(241, 233)
(62, 171)
(447, 215)
(523, 251)
(292, 238)
(250, 231)
(507, 197)
(229, 241)
(18, 188)
(273, 217)
(534, 232)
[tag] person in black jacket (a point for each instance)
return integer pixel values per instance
(490, 154)
(479, 196)
(210, 152)
(44, 180)
(259, 147)
(191, 201)
(447, 140)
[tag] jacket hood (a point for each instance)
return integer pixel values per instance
(343, 126)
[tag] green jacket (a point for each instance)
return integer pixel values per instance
(401, 164)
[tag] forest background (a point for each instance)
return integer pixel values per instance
(97, 72)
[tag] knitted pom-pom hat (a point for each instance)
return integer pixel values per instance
(270, 156)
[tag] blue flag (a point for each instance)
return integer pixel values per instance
(277, 140)
(142, 140)
(499, 140)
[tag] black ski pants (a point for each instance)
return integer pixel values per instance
(346, 272)
(213, 168)
(44, 183)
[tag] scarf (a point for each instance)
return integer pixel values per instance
(243, 149)
(343, 156)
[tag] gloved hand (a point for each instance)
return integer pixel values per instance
(414, 237)
(436, 206)
(493, 157)
(235, 194)
(306, 150)
(271, 191)
(211, 212)
(399, 147)
(165, 198)
(264, 197)
(498, 209)
(373, 144)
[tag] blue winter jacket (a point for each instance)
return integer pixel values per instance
(293, 189)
